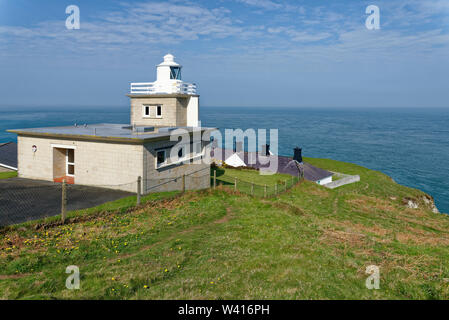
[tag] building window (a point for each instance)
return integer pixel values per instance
(175, 73)
(146, 111)
(160, 158)
(159, 111)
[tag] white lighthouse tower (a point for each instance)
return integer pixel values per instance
(168, 76)
(168, 101)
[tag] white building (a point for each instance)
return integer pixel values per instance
(114, 155)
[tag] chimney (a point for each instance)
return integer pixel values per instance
(266, 150)
(297, 154)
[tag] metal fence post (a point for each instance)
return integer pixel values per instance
(252, 188)
(139, 191)
(265, 191)
(235, 184)
(183, 183)
(275, 188)
(215, 179)
(64, 201)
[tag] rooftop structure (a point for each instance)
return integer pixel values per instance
(168, 81)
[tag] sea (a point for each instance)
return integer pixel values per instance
(411, 145)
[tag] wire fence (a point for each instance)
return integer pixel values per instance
(198, 179)
(255, 189)
(23, 200)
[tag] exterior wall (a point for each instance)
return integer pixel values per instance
(174, 111)
(193, 112)
(343, 181)
(4, 169)
(59, 163)
(325, 180)
(197, 173)
(96, 163)
(108, 165)
(181, 112)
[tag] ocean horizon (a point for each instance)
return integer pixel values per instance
(411, 145)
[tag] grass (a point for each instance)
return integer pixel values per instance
(307, 243)
(247, 177)
(8, 174)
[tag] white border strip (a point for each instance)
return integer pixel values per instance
(8, 167)
(63, 146)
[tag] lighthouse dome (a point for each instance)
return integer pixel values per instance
(169, 60)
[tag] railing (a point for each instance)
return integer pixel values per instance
(155, 88)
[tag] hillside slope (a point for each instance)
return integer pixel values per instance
(307, 243)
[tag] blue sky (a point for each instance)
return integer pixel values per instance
(240, 52)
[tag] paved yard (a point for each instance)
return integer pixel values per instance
(24, 199)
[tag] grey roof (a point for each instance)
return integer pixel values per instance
(110, 131)
(8, 154)
(286, 165)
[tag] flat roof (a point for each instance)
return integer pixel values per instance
(104, 131)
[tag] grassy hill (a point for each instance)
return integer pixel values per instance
(307, 243)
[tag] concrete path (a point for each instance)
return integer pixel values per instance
(24, 199)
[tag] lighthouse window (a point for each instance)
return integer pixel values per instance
(146, 111)
(175, 73)
(159, 111)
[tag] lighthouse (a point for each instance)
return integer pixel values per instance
(168, 101)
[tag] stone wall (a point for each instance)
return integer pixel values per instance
(108, 165)
(174, 111)
(197, 173)
(96, 163)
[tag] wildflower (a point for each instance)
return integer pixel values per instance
(211, 282)
(145, 286)
(113, 279)
(166, 270)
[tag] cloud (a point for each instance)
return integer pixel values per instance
(300, 36)
(146, 27)
(265, 4)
